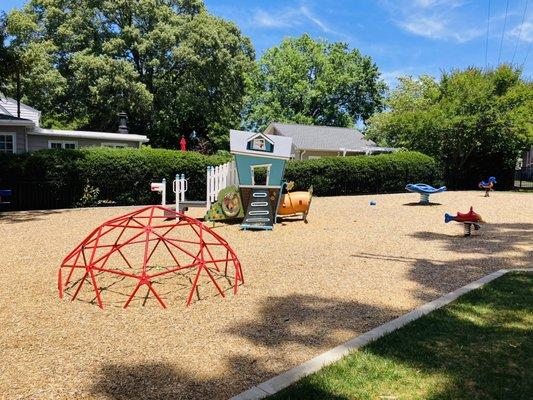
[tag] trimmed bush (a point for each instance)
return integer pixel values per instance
(100, 176)
(384, 173)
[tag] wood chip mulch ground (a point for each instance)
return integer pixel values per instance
(309, 287)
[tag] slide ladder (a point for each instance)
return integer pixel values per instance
(259, 214)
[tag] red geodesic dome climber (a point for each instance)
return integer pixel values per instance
(146, 249)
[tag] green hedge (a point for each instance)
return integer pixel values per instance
(96, 176)
(384, 173)
(99, 176)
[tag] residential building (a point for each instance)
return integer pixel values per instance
(312, 141)
(23, 134)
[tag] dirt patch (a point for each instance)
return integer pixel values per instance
(308, 288)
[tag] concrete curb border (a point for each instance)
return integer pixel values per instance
(287, 378)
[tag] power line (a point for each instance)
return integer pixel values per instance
(487, 39)
(527, 53)
(519, 32)
(503, 32)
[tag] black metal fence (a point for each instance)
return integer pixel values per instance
(49, 195)
(523, 178)
(40, 195)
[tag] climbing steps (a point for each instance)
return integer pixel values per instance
(259, 213)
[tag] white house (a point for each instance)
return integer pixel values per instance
(313, 141)
(24, 133)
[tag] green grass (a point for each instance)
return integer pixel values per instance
(478, 347)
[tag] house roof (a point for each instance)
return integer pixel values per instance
(239, 141)
(122, 137)
(11, 100)
(9, 106)
(311, 137)
(9, 120)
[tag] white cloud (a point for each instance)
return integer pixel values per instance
(435, 27)
(305, 11)
(435, 19)
(267, 20)
(290, 17)
(526, 34)
(433, 3)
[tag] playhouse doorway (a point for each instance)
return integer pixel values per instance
(260, 174)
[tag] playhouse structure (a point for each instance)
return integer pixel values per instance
(260, 161)
(250, 187)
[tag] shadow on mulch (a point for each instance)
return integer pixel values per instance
(309, 320)
(13, 217)
(300, 319)
(437, 277)
(422, 204)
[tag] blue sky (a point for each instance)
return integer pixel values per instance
(404, 37)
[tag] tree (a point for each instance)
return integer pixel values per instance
(5, 54)
(172, 66)
(475, 122)
(312, 82)
(10, 67)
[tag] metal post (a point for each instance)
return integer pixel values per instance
(208, 188)
(164, 193)
(183, 187)
(177, 190)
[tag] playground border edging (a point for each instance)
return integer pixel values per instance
(289, 377)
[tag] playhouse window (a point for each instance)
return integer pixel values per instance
(260, 174)
(259, 144)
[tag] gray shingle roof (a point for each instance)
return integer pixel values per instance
(8, 117)
(311, 137)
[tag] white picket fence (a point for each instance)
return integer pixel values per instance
(218, 178)
(179, 187)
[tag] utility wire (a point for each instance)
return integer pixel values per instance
(519, 32)
(487, 39)
(503, 32)
(527, 53)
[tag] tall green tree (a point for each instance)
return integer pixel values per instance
(475, 122)
(312, 82)
(5, 56)
(172, 66)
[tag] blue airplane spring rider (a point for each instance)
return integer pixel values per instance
(424, 190)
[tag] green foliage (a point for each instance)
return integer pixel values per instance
(94, 176)
(475, 123)
(384, 173)
(172, 66)
(312, 82)
(89, 197)
(5, 56)
(98, 176)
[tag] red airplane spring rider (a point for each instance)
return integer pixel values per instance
(468, 219)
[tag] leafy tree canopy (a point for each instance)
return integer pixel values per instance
(312, 82)
(172, 66)
(475, 122)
